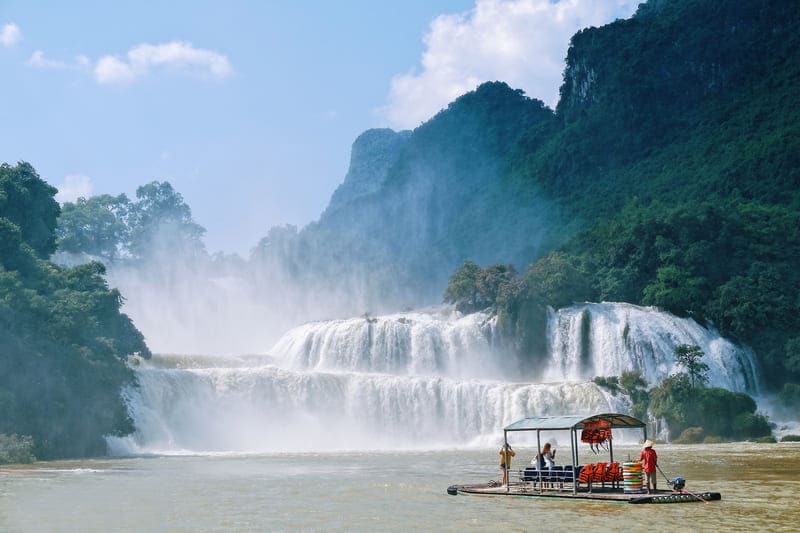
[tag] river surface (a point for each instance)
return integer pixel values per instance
(387, 491)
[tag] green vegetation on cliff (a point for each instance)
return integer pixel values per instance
(691, 410)
(677, 158)
(63, 340)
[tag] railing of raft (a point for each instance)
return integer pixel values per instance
(565, 478)
(555, 478)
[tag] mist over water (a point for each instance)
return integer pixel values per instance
(404, 381)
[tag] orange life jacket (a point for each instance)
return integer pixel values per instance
(596, 434)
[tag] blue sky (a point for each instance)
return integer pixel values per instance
(249, 108)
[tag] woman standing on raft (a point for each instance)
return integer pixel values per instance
(506, 453)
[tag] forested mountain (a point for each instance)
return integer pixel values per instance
(667, 175)
(63, 340)
(415, 204)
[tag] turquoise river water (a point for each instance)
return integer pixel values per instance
(383, 491)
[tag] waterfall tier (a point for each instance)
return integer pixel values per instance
(422, 379)
(606, 339)
(436, 343)
(268, 408)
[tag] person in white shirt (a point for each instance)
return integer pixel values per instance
(547, 459)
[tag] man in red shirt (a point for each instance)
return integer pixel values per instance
(650, 459)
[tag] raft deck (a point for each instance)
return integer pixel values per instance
(617, 495)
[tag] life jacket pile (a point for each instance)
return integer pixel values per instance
(596, 434)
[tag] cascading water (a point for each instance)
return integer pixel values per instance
(435, 343)
(607, 339)
(422, 379)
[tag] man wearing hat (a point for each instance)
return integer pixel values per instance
(650, 459)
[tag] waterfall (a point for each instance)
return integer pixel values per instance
(606, 339)
(439, 342)
(420, 379)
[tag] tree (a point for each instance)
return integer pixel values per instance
(473, 288)
(689, 357)
(463, 287)
(27, 201)
(555, 280)
(497, 283)
(96, 226)
(160, 219)
(63, 339)
(676, 290)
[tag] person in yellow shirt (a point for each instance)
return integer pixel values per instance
(506, 453)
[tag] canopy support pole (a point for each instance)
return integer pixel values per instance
(506, 458)
(539, 457)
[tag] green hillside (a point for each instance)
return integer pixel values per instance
(63, 340)
(668, 175)
(678, 154)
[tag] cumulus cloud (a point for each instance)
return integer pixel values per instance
(74, 187)
(174, 56)
(521, 42)
(10, 35)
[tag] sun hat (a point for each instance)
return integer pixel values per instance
(648, 443)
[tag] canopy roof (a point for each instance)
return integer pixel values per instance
(616, 420)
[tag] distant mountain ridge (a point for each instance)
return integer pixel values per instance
(668, 175)
(648, 109)
(414, 204)
(680, 123)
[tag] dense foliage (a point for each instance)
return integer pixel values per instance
(113, 227)
(720, 412)
(678, 160)
(689, 407)
(63, 340)
(668, 175)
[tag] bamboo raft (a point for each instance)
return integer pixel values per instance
(616, 495)
(603, 481)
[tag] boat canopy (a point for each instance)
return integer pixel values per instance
(614, 420)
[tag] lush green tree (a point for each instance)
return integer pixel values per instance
(473, 288)
(16, 449)
(676, 290)
(672, 400)
(555, 280)
(722, 413)
(463, 287)
(160, 219)
(689, 356)
(112, 227)
(28, 202)
(497, 284)
(63, 341)
(96, 226)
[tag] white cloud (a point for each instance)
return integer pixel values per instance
(521, 42)
(10, 35)
(178, 56)
(74, 187)
(109, 69)
(38, 60)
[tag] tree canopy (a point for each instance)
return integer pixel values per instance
(63, 339)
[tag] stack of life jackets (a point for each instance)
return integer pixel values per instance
(596, 434)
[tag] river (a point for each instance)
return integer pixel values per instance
(382, 490)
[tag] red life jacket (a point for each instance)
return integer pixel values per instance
(596, 433)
